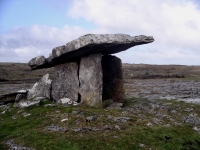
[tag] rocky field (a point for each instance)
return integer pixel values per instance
(154, 117)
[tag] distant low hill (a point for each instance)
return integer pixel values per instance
(146, 71)
(21, 72)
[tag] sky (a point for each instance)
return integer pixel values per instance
(29, 28)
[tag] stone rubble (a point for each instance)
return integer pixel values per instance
(56, 128)
(13, 146)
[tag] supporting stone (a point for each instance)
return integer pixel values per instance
(91, 80)
(113, 84)
(65, 83)
(41, 88)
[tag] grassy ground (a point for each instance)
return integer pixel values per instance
(142, 131)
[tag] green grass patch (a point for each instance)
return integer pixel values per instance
(134, 134)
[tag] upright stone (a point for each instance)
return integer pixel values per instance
(91, 80)
(41, 88)
(113, 84)
(65, 83)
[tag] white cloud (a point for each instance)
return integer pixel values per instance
(20, 44)
(175, 25)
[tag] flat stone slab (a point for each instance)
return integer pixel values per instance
(89, 44)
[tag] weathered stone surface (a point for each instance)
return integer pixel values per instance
(10, 97)
(28, 104)
(65, 83)
(13, 146)
(56, 128)
(90, 44)
(38, 62)
(20, 97)
(113, 83)
(41, 88)
(91, 79)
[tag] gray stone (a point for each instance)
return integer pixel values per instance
(117, 127)
(107, 127)
(65, 83)
(113, 83)
(28, 104)
(84, 129)
(37, 62)
(13, 146)
(20, 97)
(56, 128)
(90, 44)
(91, 79)
(91, 118)
(116, 105)
(41, 88)
(121, 119)
(10, 97)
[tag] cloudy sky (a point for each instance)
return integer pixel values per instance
(29, 28)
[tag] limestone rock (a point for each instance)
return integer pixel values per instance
(113, 83)
(20, 97)
(91, 44)
(65, 83)
(37, 62)
(11, 145)
(41, 88)
(28, 104)
(90, 77)
(10, 97)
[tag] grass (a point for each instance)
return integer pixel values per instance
(134, 134)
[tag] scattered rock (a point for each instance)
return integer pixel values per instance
(149, 124)
(49, 105)
(121, 119)
(91, 118)
(107, 127)
(13, 146)
(27, 104)
(65, 101)
(26, 114)
(188, 109)
(116, 105)
(56, 128)
(64, 120)
(196, 129)
(192, 119)
(117, 127)
(85, 129)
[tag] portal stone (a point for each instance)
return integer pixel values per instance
(91, 80)
(113, 83)
(65, 83)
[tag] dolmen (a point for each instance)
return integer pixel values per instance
(85, 71)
